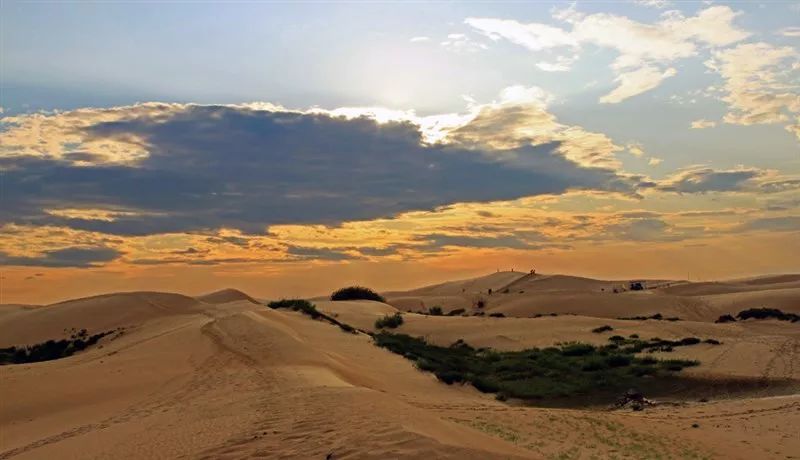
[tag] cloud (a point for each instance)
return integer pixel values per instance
(653, 161)
(76, 257)
(644, 50)
(760, 84)
(310, 253)
(419, 39)
(460, 43)
(654, 3)
(790, 32)
(703, 124)
(636, 82)
(246, 167)
(520, 118)
(532, 36)
(704, 179)
(776, 224)
(561, 64)
(437, 241)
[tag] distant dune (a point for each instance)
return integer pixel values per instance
(223, 376)
(226, 296)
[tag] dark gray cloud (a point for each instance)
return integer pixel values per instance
(777, 224)
(648, 229)
(75, 257)
(301, 252)
(436, 241)
(709, 180)
(219, 166)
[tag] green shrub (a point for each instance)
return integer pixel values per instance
(389, 321)
(357, 293)
(572, 369)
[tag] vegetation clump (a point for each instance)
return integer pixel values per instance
(767, 313)
(357, 293)
(435, 311)
(51, 349)
(601, 329)
(636, 345)
(308, 308)
(656, 317)
(726, 319)
(570, 369)
(497, 315)
(456, 312)
(389, 321)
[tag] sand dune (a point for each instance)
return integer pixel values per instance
(528, 295)
(96, 314)
(221, 376)
(227, 296)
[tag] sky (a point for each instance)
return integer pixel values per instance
(290, 148)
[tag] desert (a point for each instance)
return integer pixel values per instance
(224, 375)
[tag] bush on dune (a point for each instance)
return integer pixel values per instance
(389, 321)
(767, 313)
(357, 293)
(308, 308)
(51, 349)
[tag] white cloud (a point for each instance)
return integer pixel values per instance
(533, 36)
(653, 161)
(419, 39)
(790, 32)
(761, 83)
(460, 43)
(644, 49)
(561, 64)
(635, 83)
(703, 124)
(635, 148)
(654, 3)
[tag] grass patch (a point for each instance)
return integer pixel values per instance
(309, 309)
(51, 349)
(636, 345)
(569, 369)
(357, 293)
(389, 321)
